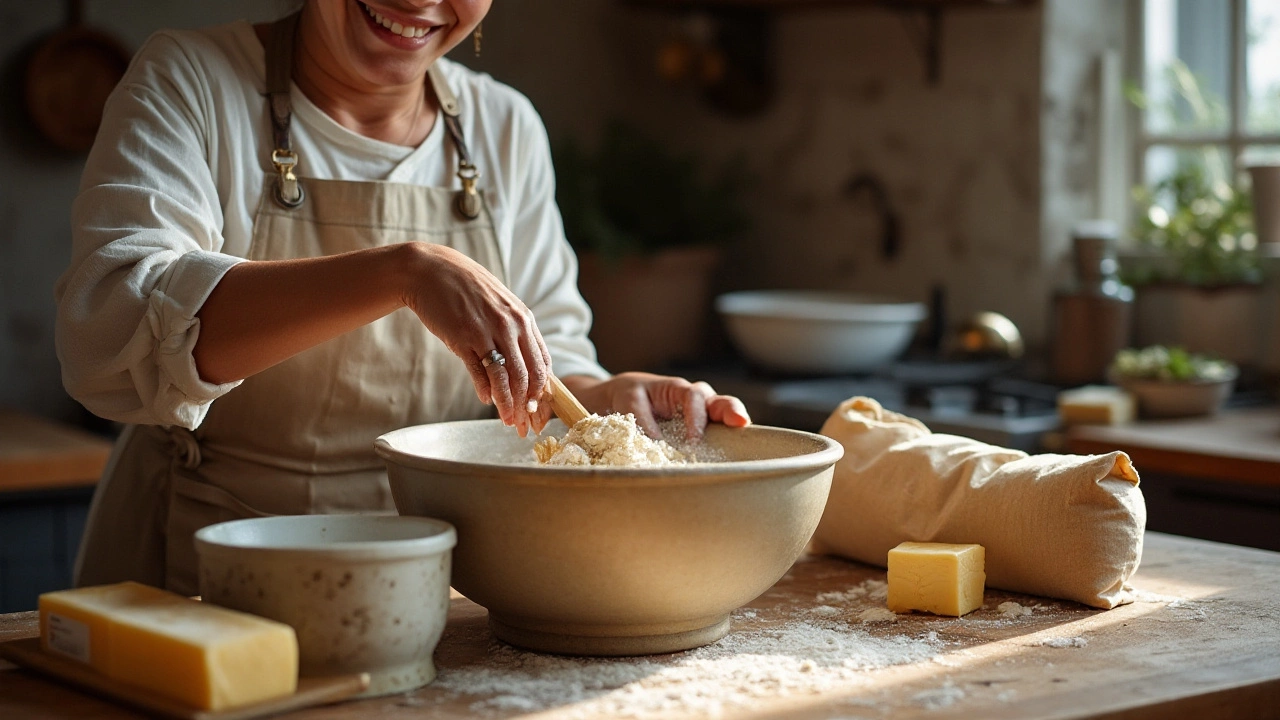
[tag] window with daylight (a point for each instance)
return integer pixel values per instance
(1209, 98)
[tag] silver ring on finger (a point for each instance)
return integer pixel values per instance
(493, 358)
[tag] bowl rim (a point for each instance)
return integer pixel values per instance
(595, 476)
(439, 536)
(819, 305)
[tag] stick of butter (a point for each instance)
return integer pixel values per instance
(202, 655)
(940, 578)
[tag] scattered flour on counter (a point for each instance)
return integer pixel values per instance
(799, 657)
(1005, 696)
(826, 610)
(1013, 609)
(1064, 642)
(1144, 596)
(874, 615)
(1190, 609)
(868, 589)
(938, 698)
(1170, 600)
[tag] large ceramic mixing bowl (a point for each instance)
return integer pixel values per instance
(365, 594)
(613, 561)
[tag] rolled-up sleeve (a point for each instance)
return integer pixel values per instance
(543, 269)
(145, 250)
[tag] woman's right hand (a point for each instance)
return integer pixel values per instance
(473, 313)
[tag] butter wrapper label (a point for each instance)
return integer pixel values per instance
(68, 637)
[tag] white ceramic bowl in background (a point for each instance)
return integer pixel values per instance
(606, 560)
(365, 593)
(818, 332)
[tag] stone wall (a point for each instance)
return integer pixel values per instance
(972, 165)
(960, 159)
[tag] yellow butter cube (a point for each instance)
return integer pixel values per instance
(198, 654)
(940, 578)
(1096, 405)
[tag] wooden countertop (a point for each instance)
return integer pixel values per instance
(1235, 445)
(1202, 643)
(38, 454)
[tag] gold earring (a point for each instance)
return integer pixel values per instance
(477, 36)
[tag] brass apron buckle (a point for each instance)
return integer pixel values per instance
(469, 197)
(289, 191)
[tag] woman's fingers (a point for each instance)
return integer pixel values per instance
(495, 367)
(694, 409)
(729, 410)
(538, 367)
(480, 379)
(638, 404)
(539, 418)
(652, 398)
(467, 307)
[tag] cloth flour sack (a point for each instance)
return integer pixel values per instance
(1062, 526)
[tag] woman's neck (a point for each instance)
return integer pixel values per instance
(401, 115)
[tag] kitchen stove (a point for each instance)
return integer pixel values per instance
(985, 400)
(992, 401)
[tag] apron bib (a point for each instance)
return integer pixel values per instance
(297, 438)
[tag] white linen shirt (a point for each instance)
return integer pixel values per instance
(168, 197)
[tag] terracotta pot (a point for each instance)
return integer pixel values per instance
(1225, 322)
(649, 310)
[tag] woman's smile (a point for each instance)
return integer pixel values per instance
(398, 30)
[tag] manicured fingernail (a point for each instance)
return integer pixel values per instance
(531, 406)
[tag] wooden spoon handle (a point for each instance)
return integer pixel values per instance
(564, 404)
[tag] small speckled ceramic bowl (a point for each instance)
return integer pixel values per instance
(365, 593)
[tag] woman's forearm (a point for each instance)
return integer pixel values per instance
(262, 313)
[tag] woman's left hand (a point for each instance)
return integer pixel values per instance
(652, 398)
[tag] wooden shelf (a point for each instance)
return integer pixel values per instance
(786, 5)
(38, 454)
(753, 20)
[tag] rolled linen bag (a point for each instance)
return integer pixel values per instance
(1062, 526)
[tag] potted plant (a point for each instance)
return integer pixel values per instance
(649, 228)
(1171, 382)
(1200, 286)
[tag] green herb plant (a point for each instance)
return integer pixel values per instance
(1172, 364)
(1204, 229)
(1196, 219)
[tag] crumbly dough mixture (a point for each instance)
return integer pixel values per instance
(612, 439)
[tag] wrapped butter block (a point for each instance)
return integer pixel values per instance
(1096, 405)
(941, 578)
(202, 655)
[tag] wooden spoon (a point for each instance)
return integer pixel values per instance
(564, 404)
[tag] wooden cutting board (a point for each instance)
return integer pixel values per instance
(311, 691)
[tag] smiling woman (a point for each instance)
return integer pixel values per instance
(406, 31)
(295, 237)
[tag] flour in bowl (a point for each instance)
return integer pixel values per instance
(612, 439)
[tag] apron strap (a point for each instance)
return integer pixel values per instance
(279, 79)
(288, 190)
(469, 199)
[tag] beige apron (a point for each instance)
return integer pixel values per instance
(297, 438)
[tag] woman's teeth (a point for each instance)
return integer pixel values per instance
(395, 27)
